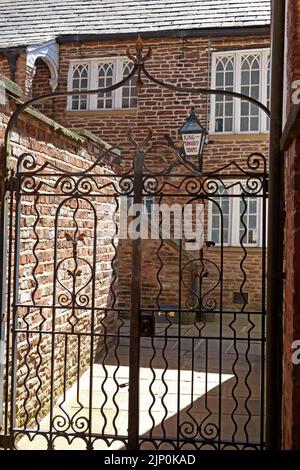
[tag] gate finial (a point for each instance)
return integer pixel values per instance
(139, 58)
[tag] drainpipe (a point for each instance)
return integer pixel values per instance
(275, 236)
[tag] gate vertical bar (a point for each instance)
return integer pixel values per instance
(15, 312)
(3, 250)
(136, 285)
(263, 309)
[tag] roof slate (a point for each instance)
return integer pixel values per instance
(28, 22)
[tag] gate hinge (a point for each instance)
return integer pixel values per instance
(10, 183)
(5, 441)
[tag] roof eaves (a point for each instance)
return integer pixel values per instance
(258, 30)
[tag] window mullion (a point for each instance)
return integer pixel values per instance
(262, 82)
(264, 76)
(117, 78)
(238, 90)
(259, 218)
(70, 86)
(213, 97)
(210, 220)
(93, 83)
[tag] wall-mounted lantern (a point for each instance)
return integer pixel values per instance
(193, 136)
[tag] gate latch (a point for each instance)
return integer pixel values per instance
(147, 328)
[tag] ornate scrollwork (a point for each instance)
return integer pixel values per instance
(30, 185)
(256, 160)
(253, 186)
(152, 185)
(208, 431)
(125, 186)
(212, 186)
(193, 186)
(67, 185)
(74, 296)
(79, 424)
(84, 185)
(189, 430)
(61, 423)
(27, 162)
(65, 299)
(210, 304)
(199, 268)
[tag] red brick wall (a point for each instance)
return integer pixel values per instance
(291, 332)
(4, 67)
(291, 389)
(24, 75)
(292, 59)
(36, 279)
(23, 72)
(40, 86)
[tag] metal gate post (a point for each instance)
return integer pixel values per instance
(275, 238)
(3, 249)
(136, 287)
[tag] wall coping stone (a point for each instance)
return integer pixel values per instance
(12, 88)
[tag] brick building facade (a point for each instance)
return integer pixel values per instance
(235, 57)
(186, 62)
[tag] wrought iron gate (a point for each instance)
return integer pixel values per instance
(166, 352)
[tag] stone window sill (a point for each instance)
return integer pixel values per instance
(104, 112)
(264, 136)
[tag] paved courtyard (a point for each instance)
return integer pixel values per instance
(218, 387)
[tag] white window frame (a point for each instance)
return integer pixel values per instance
(74, 63)
(118, 63)
(237, 55)
(210, 214)
(235, 219)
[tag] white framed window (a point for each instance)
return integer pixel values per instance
(220, 207)
(241, 216)
(79, 82)
(246, 72)
(99, 73)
